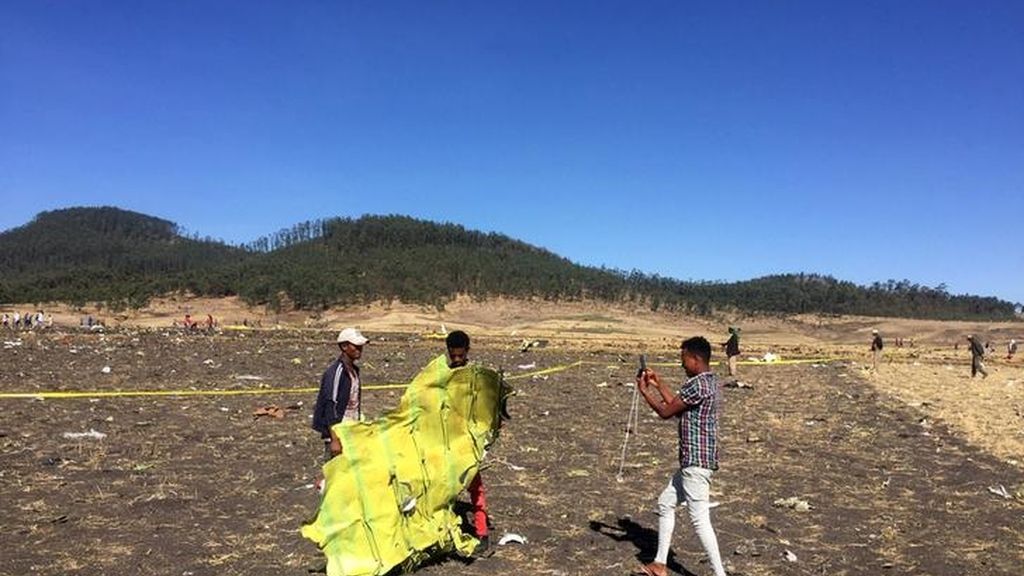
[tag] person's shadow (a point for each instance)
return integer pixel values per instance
(645, 540)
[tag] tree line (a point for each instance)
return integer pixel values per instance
(124, 258)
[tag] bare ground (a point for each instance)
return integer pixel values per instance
(896, 465)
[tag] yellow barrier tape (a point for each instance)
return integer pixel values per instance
(551, 370)
(215, 392)
(257, 391)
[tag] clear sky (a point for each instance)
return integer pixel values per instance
(867, 140)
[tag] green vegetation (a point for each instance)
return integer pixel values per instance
(125, 258)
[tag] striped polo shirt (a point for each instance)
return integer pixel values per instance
(698, 424)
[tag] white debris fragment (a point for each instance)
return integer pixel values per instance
(91, 435)
(790, 557)
(105, 370)
(1000, 491)
(793, 503)
(511, 537)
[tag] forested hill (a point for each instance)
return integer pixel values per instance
(112, 255)
(124, 258)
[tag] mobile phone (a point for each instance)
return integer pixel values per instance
(643, 365)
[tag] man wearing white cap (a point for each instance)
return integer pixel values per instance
(340, 395)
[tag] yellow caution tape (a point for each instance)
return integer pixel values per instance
(551, 370)
(257, 391)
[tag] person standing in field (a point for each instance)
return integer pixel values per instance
(340, 393)
(696, 405)
(732, 350)
(1011, 349)
(457, 345)
(977, 355)
(876, 348)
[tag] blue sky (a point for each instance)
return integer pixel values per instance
(707, 141)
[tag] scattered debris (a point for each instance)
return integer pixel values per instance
(529, 366)
(1000, 491)
(91, 435)
(273, 410)
(792, 503)
(511, 537)
(527, 344)
(790, 557)
(738, 384)
(748, 548)
(105, 370)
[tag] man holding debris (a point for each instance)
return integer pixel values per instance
(977, 354)
(732, 349)
(340, 394)
(696, 406)
(457, 344)
(876, 348)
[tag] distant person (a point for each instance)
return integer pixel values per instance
(876, 348)
(1011, 349)
(340, 393)
(457, 345)
(696, 406)
(977, 355)
(732, 350)
(17, 320)
(209, 322)
(6, 320)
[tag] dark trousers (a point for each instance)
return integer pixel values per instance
(977, 366)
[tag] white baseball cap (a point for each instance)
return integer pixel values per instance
(353, 336)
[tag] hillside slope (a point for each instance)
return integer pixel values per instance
(125, 258)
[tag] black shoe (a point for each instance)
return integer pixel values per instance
(483, 549)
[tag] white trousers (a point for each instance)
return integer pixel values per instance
(692, 485)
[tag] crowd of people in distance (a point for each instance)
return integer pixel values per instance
(27, 321)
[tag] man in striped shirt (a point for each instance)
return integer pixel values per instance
(696, 406)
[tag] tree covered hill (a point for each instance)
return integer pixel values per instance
(124, 258)
(108, 254)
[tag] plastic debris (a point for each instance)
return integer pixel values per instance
(529, 366)
(792, 503)
(273, 410)
(790, 557)
(1000, 491)
(105, 369)
(90, 435)
(511, 537)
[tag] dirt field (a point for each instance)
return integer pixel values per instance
(896, 465)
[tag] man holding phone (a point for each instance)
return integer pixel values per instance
(696, 406)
